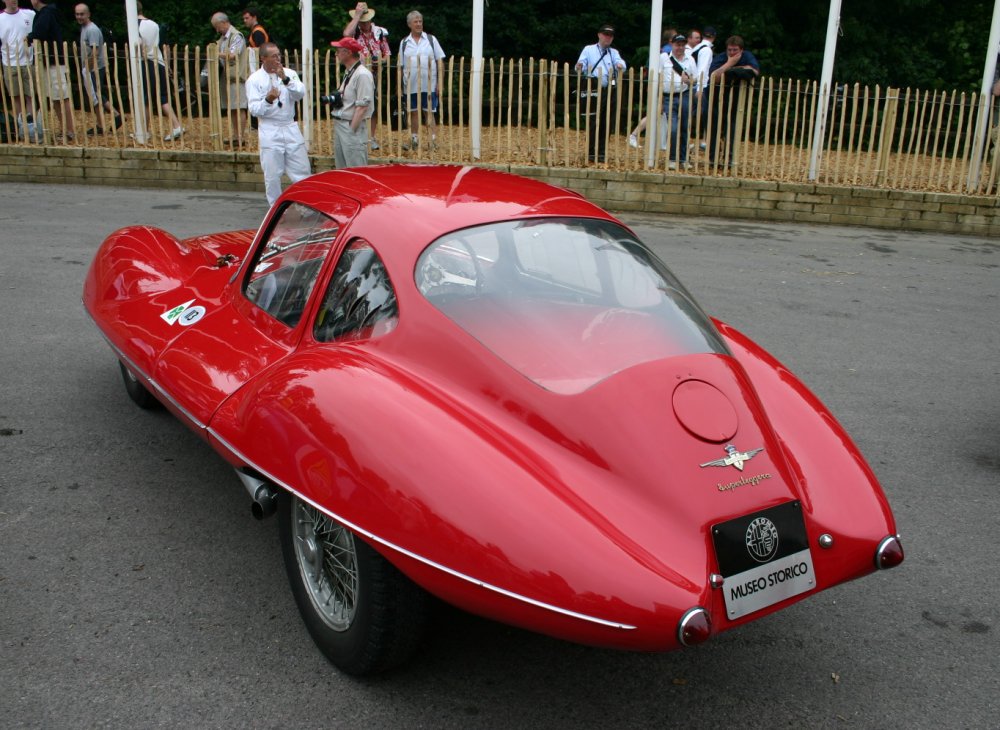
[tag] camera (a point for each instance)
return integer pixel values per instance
(335, 100)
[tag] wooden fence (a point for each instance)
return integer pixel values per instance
(539, 112)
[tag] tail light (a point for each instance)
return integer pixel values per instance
(889, 553)
(695, 627)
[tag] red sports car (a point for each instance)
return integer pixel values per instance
(458, 382)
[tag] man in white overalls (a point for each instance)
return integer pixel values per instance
(271, 95)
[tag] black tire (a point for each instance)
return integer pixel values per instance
(137, 391)
(363, 614)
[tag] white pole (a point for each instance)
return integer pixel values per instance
(653, 115)
(136, 58)
(476, 91)
(826, 78)
(985, 100)
(307, 68)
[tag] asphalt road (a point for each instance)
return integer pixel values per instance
(137, 591)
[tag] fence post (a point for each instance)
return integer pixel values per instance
(885, 138)
(542, 156)
(214, 98)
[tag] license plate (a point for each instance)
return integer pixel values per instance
(764, 558)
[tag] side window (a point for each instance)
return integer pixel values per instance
(286, 265)
(360, 301)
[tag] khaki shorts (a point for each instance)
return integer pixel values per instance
(55, 84)
(17, 81)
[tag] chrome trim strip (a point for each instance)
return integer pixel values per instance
(403, 551)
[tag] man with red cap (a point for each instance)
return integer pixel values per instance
(357, 90)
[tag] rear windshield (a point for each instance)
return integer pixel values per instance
(565, 301)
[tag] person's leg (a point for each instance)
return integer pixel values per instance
(354, 145)
(59, 96)
(683, 123)
(588, 119)
(716, 147)
(430, 111)
(415, 106)
(633, 138)
(600, 126)
(607, 121)
(271, 162)
(374, 124)
(339, 151)
(297, 161)
(674, 137)
(175, 123)
(733, 133)
(175, 130)
(96, 100)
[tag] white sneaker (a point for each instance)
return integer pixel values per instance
(175, 134)
(414, 143)
(374, 144)
(671, 165)
(703, 146)
(633, 141)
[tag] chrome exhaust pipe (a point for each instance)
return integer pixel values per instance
(264, 499)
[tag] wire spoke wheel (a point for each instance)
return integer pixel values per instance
(363, 614)
(327, 559)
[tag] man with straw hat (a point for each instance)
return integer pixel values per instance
(374, 40)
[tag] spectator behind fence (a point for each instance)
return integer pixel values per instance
(601, 65)
(733, 71)
(422, 62)
(375, 51)
(633, 138)
(272, 92)
(232, 65)
(154, 73)
(54, 85)
(256, 34)
(357, 89)
(702, 55)
(678, 69)
(16, 56)
(94, 65)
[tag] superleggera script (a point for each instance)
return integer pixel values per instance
(744, 481)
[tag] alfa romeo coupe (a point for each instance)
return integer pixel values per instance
(455, 382)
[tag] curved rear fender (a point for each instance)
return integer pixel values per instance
(477, 504)
(840, 493)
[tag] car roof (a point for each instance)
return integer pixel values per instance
(430, 200)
